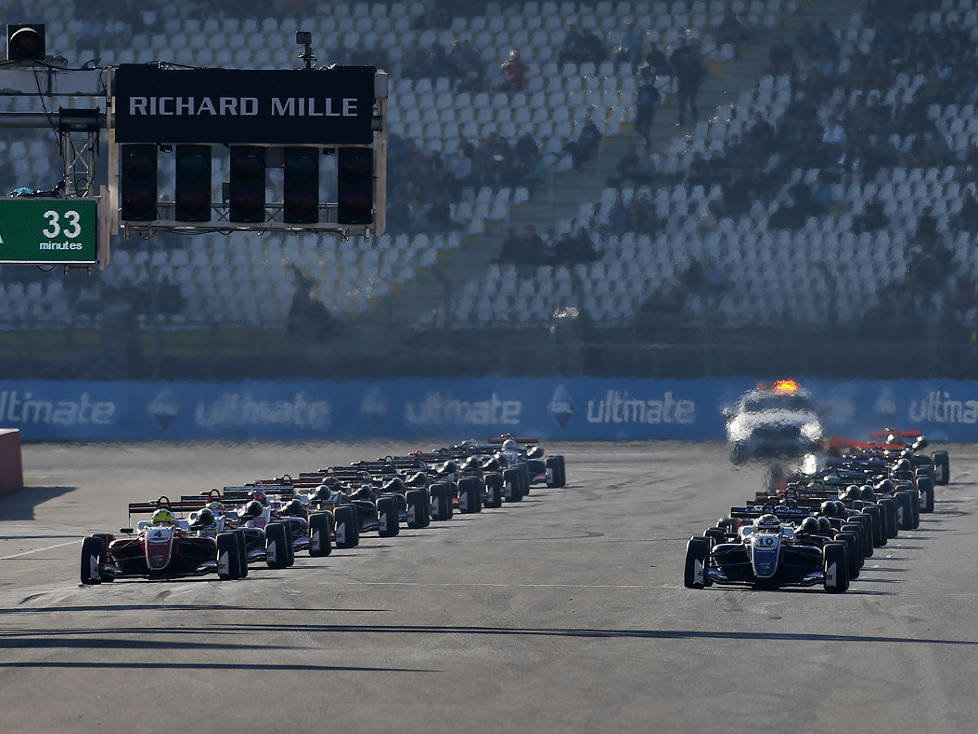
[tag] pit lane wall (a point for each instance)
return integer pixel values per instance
(552, 408)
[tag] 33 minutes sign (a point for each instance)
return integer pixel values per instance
(48, 231)
(238, 106)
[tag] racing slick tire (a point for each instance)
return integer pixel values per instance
(345, 520)
(835, 565)
(925, 487)
(418, 508)
(852, 552)
(277, 545)
(715, 535)
(879, 528)
(290, 546)
(942, 467)
(92, 558)
(856, 527)
(388, 514)
(441, 501)
(553, 470)
(469, 495)
(697, 563)
(888, 505)
(319, 543)
(524, 471)
(242, 552)
(865, 524)
(563, 471)
(512, 486)
(228, 557)
(494, 490)
(904, 503)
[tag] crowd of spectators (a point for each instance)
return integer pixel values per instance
(427, 184)
(528, 247)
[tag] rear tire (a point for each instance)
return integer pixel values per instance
(836, 568)
(695, 575)
(852, 552)
(942, 468)
(524, 471)
(276, 543)
(925, 488)
(879, 529)
(469, 495)
(441, 502)
(494, 490)
(228, 557)
(345, 520)
(418, 506)
(511, 485)
(905, 509)
(888, 506)
(715, 535)
(92, 559)
(242, 552)
(319, 543)
(387, 513)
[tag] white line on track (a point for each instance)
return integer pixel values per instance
(501, 586)
(39, 550)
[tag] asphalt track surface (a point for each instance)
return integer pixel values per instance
(565, 613)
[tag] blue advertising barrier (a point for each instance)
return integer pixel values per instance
(572, 408)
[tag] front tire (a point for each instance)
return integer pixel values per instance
(319, 543)
(388, 514)
(942, 468)
(345, 520)
(92, 560)
(925, 488)
(228, 557)
(695, 575)
(835, 566)
(418, 508)
(494, 490)
(441, 502)
(469, 495)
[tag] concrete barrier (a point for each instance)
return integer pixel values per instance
(11, 468)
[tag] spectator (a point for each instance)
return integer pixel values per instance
(572, 50)
(631, 170)
(462, 167)
(467, 65)
(656, 60)
(586, 145)
(514, 71)
(632, 44)
(780, 58)
(647, 98)
(688, 65)
(731, 30)
(618, 220)
(532, 249)
(641, 214)
(512, 248)
(968, 216)
(872, 219)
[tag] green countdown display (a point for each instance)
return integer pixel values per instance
(48, 231)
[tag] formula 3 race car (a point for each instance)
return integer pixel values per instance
(162, 548)
(766, 554)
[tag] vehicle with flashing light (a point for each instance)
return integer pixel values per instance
(773, 421)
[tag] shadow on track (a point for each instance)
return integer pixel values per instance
(157, 665)
(175, 607)
(595, 633)
(20, 505)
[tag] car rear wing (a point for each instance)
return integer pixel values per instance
(519, 439)
(894, 432)
(784, 513)
(186, 504)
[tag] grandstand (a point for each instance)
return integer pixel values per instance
(760, 236)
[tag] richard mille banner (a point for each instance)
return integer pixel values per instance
(224, 106)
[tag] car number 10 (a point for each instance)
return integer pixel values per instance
(54, 228)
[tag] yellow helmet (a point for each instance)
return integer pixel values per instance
(163, 516)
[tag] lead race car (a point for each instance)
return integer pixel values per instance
(164, 547)
(767, 553)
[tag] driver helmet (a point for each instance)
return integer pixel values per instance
(906, 454)
(253, 509)
(534, 452)
(866, 493)
(840, 509)
(824, 526)
(320, 492)
(809, 525)
(259, 496)
(216, 507)
(471, 464)
(768, 521)
(294, 508)
(902, 465)
(885, 486)
(510, 445)
(851, 493)
(163, 516)
(828, 508)
(450, 467)
(204, 518)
